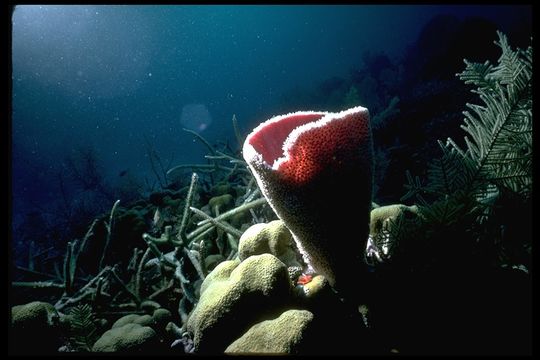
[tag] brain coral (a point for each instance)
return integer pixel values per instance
(312, 167)
(236, 295)
(34, 324)
(283, 335)
(270, 238)
(129, 337)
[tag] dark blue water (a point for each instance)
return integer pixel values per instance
(118, 83)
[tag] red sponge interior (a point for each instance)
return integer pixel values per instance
(268, 141)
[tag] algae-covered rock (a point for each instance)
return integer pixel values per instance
(36, 323)
(36, 313)
(383, 213)
(239, 219)
(284, 335)
(317, 286)
(160, 319)
(150, 305)
(222, 189)
(382, 221)
(127, 319)
(129, 337)
(144, 320)
(222, 203)
(317, 296)
(234, 297)
(174, 204)
(268, 238)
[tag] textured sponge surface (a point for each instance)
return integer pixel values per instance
(270, 139)
(326, 168)
(325, 145)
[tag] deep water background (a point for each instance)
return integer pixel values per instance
(98, 92)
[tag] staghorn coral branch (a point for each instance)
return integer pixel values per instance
(232, 255)
(158, 292)
(151, 152)
(43, 252)
(75, 299)
(225, 227)
(139, 271)
(186, 290)
(236, 128)
(201, 139)
(33, 272)
(89, 233)
(203, 252)
(253, 194)
(179, 273)
(192, 255)
(215, 157)
(230, 173)
(208, 168)
(132, 265)
(38, 284)
(181, 231)
(99, 293)
(68, 269)
(81, 293)
(207, 224)
(232, 159)
(220, 243)
(124, 286)
(152, 246)
(233, 243)
(165, 238)
(172, 328)
(201, 235)
(109, 227)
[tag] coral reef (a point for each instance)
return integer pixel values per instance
(203, 266)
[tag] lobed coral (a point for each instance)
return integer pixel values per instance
(268, 238)
(35, 323)
(283, 335)
(130, 337)
(260, 282)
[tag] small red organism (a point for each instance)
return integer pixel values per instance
(304, 279)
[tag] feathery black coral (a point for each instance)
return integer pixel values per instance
(83, 329)
(499, 141)
(465, 187)
(498, 154)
